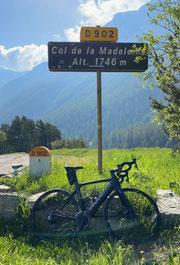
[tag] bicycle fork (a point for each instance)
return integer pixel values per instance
(130, 213)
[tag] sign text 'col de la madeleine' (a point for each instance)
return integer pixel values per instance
(93, 56)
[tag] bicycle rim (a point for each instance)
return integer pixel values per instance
(132, 226)
(53, 218)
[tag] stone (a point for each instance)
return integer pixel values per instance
(169, 207)
(5, 176)
(8, 205)
(168, 203)
(31, 200)
(4, 188)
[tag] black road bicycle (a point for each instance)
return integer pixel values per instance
(130, 214)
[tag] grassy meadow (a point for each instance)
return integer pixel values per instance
(158, 169)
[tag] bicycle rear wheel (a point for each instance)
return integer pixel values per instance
(53, 215)
(135, 224)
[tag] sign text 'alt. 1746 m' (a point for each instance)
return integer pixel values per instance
(93, 56)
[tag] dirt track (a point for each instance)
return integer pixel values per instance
(6, 162)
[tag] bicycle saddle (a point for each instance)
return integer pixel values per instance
(72, 168)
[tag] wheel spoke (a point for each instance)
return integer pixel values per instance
(53, 216)
(142, 227)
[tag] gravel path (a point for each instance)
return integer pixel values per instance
(6, 162)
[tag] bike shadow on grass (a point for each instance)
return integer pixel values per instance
(94, 240)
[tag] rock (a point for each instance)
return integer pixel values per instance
(5, 176)
(31, 200)
(8, 205)
(2, 174)
(168, 203)
(169, 207)
(4, 188)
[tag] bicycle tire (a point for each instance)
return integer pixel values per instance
(52, 219)
(132, 230)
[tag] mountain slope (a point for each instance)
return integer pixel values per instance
(130, 24)
(68, 100)
(6, 76)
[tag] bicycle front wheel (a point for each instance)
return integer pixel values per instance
(133, 224)
(53, 215)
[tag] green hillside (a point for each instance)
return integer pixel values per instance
(68, 100)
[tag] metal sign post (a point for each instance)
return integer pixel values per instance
(99, 121)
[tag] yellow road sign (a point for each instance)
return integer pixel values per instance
(99, 34)
(39, 151)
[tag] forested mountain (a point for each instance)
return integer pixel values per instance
(23, 134)
(68, 100)
(148, 135)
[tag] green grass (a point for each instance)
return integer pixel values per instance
(17, 247)
(157, 169)
(20, 251)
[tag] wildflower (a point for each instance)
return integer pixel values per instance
(142, 259)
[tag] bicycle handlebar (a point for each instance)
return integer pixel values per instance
(133, 162)
(122, 173)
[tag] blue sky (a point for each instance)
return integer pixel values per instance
(27, 25)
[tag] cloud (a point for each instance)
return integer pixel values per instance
(92, 13)
(73, 34)
(57, 36)
(22, 58)
(100, 12)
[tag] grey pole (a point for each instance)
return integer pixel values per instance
(99, 121)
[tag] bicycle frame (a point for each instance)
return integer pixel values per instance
(120, 212)
(79, 195)
(113, 185)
